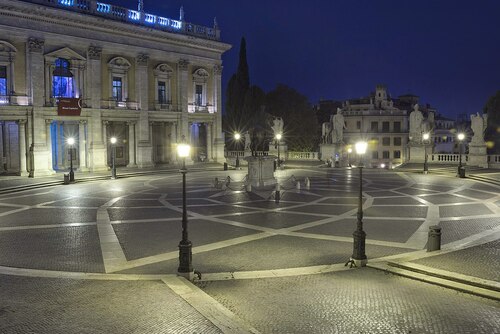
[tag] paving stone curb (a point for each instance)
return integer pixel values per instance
(463, 283)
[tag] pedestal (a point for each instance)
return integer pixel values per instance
(261, 171)
(478, 156)
(417, 153)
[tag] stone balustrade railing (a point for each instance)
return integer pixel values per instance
(133, 16)
(290, 155)
(447, 158)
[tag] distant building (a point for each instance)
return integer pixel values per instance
(91, 70)
(375, 119)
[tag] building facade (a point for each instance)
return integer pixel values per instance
(92, 71)
(376, 120)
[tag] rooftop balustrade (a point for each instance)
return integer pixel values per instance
(123, 14)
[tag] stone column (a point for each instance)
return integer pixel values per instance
(22, 148)
(59, 144)
(131, 144)
(105, 141)
(94, 83)
(97, 151)
(173, 142)
(218, 136)
(82, 150)
(209, 141)
(144, 145)
(36, 87)
(182, 89)
(48, 124)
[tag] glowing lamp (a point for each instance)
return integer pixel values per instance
(183, 150)
(361, 147)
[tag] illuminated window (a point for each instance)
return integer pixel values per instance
(3, 80)
(62, 79)
(162, 92)
(117, 89)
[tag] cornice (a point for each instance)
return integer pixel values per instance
(42, 14)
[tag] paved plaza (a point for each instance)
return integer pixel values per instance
(101, 256)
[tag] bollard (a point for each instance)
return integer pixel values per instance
(249, 188)
(225, 165)
(298, 185)
(277, 194)
(66, 178)
(434, 239)
(461, 172)
(308, 183)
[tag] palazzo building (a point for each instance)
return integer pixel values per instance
(92, 71)
(377, 120)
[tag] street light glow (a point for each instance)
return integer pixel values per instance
(361, 147)
(426, 136)
(113, 140)
(183, 150)
(349, 150)
(278, 136)
(461, 136)
(237, 136)
(71, 141)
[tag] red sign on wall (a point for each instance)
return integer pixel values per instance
(67, 106)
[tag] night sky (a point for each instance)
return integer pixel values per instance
(446, 52)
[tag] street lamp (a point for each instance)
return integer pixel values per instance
(113, 157)
(461, 137)
(237, 137)
(278, 138)
(358, 255)
(425, 138)
(349, 151)
(185, 246)
(71, 142)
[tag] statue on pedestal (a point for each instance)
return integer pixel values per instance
(478, 125)
(277, 126)
(247, 141)
(416, 119)
(338, 126)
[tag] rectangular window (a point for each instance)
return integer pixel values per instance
(397, 141)
(385, 126)
(117, 89)
(386, 141)
(358, 125)
(385, 154)
(397, 126)
(397, 154)
(162, 92)
(198, 97)
(62, 86)
(375, 155)
(374, 127)
(3, 80)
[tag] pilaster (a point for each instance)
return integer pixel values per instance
(182, 89)
(131, 144)
(94, 82)
(82, 147)
(97, 151)
(218, 137)
(35, 71)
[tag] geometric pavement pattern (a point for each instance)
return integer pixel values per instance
(132, 225)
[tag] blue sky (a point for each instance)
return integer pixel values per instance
(447, 52)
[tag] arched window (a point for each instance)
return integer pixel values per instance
(62, 79)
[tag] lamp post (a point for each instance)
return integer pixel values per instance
(461, 137)
(278, 138)
(425, 138)
(185, 247)
(349, 151)
(237, 137)
(358, 255)
(71, 142)
(113, 157)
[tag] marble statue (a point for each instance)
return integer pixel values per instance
(277, 126)
(338, 126)
(247, 140)
(416, 119)
(478, 125)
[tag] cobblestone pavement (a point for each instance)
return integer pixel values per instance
(132, 226)
(481, 261)
(42, 305)
(354, 301)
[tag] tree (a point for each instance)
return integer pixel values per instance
(236, 92)
(492, 108)
(300, 122)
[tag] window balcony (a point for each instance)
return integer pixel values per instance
(164, 105)
(114, 104)
(14, 100)
(195, 108)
